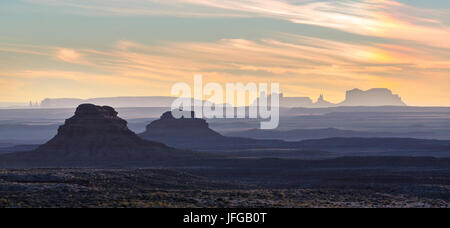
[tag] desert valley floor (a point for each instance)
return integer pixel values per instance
(164, 188)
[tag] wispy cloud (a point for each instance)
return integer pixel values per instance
(68, 55)
(304, 65)
(380, 18)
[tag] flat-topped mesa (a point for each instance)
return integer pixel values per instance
(91, 119)
(372, 97)
(183, 128)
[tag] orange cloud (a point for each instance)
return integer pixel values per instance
(303, 65)
(68, 55)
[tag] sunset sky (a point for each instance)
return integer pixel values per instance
(106, 48)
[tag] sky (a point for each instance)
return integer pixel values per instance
(108, 48)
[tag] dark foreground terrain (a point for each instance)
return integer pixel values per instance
(166, 188)
(118, 168)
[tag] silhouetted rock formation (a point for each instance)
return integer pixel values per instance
(372, 97)
(194, 133)
(181, 132)
(118, 102)
(183, 129)
(355, 97)
(322, 103)
(96, 135)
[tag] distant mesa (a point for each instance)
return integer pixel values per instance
(61, 103)
(356, 97)
(96, 135)
(292, 102)
(118, 102)
(372, 97)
